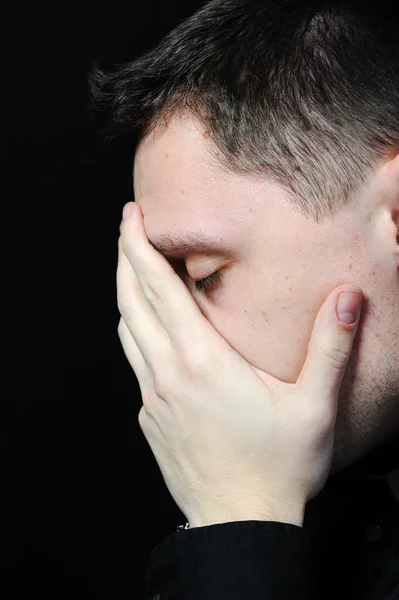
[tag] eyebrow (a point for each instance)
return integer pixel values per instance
(172, 244)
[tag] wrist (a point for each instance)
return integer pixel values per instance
(284, 513)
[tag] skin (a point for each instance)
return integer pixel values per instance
(278, 268)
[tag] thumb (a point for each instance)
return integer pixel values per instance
(331, 343)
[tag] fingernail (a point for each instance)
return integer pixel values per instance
(348, 306)
(127, 211)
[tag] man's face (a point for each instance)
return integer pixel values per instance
(276, 269)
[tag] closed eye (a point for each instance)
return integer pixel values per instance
(204, 285)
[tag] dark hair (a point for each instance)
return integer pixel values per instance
(305, 93)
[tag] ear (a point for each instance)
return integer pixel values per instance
(387, 211)
(394, 209)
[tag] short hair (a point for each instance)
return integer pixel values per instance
(304, 93)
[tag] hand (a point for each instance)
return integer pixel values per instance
(232, 442)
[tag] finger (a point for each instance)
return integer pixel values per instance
(133, 354)
(331, 345)
(162, 286)
(143, 323)
(150, 410)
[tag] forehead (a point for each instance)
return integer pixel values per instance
(176, 154)
(180, 187)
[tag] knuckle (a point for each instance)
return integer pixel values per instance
(123, 303)
(147, 413)
(164, 386)
(121, 328)
(126, 305)
(124, 240)
(195, 362)
(143, 420)
(335, 356)
(157, 291)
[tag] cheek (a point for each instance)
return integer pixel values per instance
(272, 334)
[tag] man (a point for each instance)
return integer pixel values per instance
(272, 130)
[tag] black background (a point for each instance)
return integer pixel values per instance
(83, 501)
